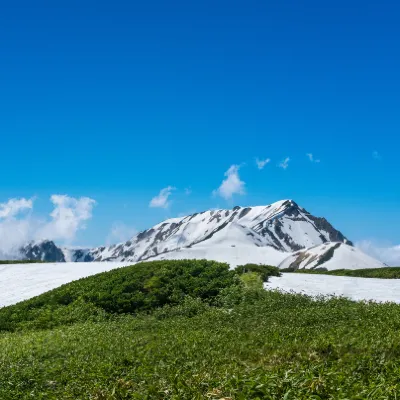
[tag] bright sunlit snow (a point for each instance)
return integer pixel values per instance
(380, 290)
(22, 281)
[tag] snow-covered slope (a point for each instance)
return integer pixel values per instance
(330, 256)
(380, 290)
(281, 227)
(22, 281)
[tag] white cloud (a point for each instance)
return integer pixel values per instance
(17, 228)
(285, 163)
(311, 158)
(388, 254)
(14, 207)
(120, 233)
(14, 231)
(69, 216)
(161, 201)
(231, 185)
(376, 156)
(262, 163)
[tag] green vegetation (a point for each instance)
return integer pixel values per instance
(383, 273)
(20, 261)
(139, 288)
(252, 281)
(192, 330)
(265, 271)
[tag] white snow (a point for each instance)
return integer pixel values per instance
(344, 257)
(22, 281)
(264, 225)
(380, 290)
(236, 255)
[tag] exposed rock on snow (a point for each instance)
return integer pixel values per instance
(330, 256)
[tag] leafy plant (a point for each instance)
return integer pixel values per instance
(265, 271)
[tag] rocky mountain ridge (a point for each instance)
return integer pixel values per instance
(280, 228)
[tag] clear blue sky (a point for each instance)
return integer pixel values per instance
(116, 100)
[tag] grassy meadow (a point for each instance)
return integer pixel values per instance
(195, 330)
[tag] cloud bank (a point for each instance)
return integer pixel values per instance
(18, 225)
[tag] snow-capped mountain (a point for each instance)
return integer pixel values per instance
(281, 227)
(330, 256)
(45, 250)
(277, 234)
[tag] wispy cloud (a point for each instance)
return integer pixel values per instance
(188, 191)
(18, 227)
(285, 163)
(69, 216)
(231, 185)
(14, 207)
(120, 233)
(376, 156)
(312, 159)
(388, 254)
(262, 163)
(161, 200)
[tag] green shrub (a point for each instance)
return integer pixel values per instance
(382, 273)
(265, 271)
(21, 261)
(252, 281)
(140, 288)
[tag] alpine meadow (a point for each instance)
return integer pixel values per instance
(199, 200)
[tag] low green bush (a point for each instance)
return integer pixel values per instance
(265, 271)
(21, 261)
(139, 288)
(382, 273)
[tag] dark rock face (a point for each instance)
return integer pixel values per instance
(44, 251)
(82, 256)
(334, 235)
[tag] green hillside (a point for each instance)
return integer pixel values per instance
(191, 330)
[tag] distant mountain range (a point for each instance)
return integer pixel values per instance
(264, 234)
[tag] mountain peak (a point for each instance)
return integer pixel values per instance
(280, 229)
(282, 226)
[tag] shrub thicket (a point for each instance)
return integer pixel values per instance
(139, 288)
(265, 271)
(383, 273)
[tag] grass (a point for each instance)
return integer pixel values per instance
(242, 343)
(20, 261)
(383, 273)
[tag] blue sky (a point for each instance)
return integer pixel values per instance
(117, 100)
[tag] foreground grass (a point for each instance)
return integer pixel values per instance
(270, 346)
(383, 273)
